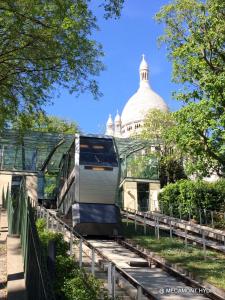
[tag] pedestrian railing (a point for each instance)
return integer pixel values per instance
(113, 271)
(157, 220)
(21, 221)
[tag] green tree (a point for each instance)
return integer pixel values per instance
(195, 39)
(44, 123)
(157, 128)
(44, 44)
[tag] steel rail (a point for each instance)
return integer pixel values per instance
(123, 273)
(194, 237)
(166, 267)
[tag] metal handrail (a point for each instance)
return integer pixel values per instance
(176, 220)
(124, 274)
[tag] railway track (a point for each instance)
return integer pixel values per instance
(195, 233)
(133, 269)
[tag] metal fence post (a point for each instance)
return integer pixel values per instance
(189, 214)
(113, 281)
(200, 216)
(212, 218)
(185, 235)
(205, 216)
(93, 261)
(110, 278)
(135, 221)
(139, 293)
(162, 211)
(155, 226)
(171, 232)
(144, 224)
(171, 211)
(80, 252)
(127, 218)
(180, 211)
(47, 219)
(158, 228)
(71, 242)
(203, 242)
(53, 223)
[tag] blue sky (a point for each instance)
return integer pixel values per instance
(124, 41)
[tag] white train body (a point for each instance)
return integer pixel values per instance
(91, 186)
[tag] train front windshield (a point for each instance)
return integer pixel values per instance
(97, 151)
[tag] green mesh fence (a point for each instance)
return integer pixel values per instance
(21, 221)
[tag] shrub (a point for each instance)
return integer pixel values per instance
(83, 286)
(70, 281)
(188, 196)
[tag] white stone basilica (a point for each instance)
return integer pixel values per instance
(136, 108)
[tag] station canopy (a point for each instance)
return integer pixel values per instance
(137, 160)
(128, 146)
(41, 151)
(32, 151)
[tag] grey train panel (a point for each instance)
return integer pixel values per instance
(96, 219)
(97, 186)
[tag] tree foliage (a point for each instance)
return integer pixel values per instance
(157, 127)
(44, 43)
(44, 123)
(195, 39)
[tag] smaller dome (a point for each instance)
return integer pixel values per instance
(110, 121)
(117, 118)
(143, 64)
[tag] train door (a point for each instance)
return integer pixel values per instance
(143, 196)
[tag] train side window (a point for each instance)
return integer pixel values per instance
(83, 146)
(98, 147)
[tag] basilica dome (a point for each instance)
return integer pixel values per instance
(140, 103)
(136, 108)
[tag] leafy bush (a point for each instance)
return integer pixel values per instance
(83, 286)
(70, 282)
(186, 197)
(40, 225)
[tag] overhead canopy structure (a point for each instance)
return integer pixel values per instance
(137, 159)
(127, 146)
(32, 151)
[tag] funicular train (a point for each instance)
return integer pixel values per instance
(89, 179)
